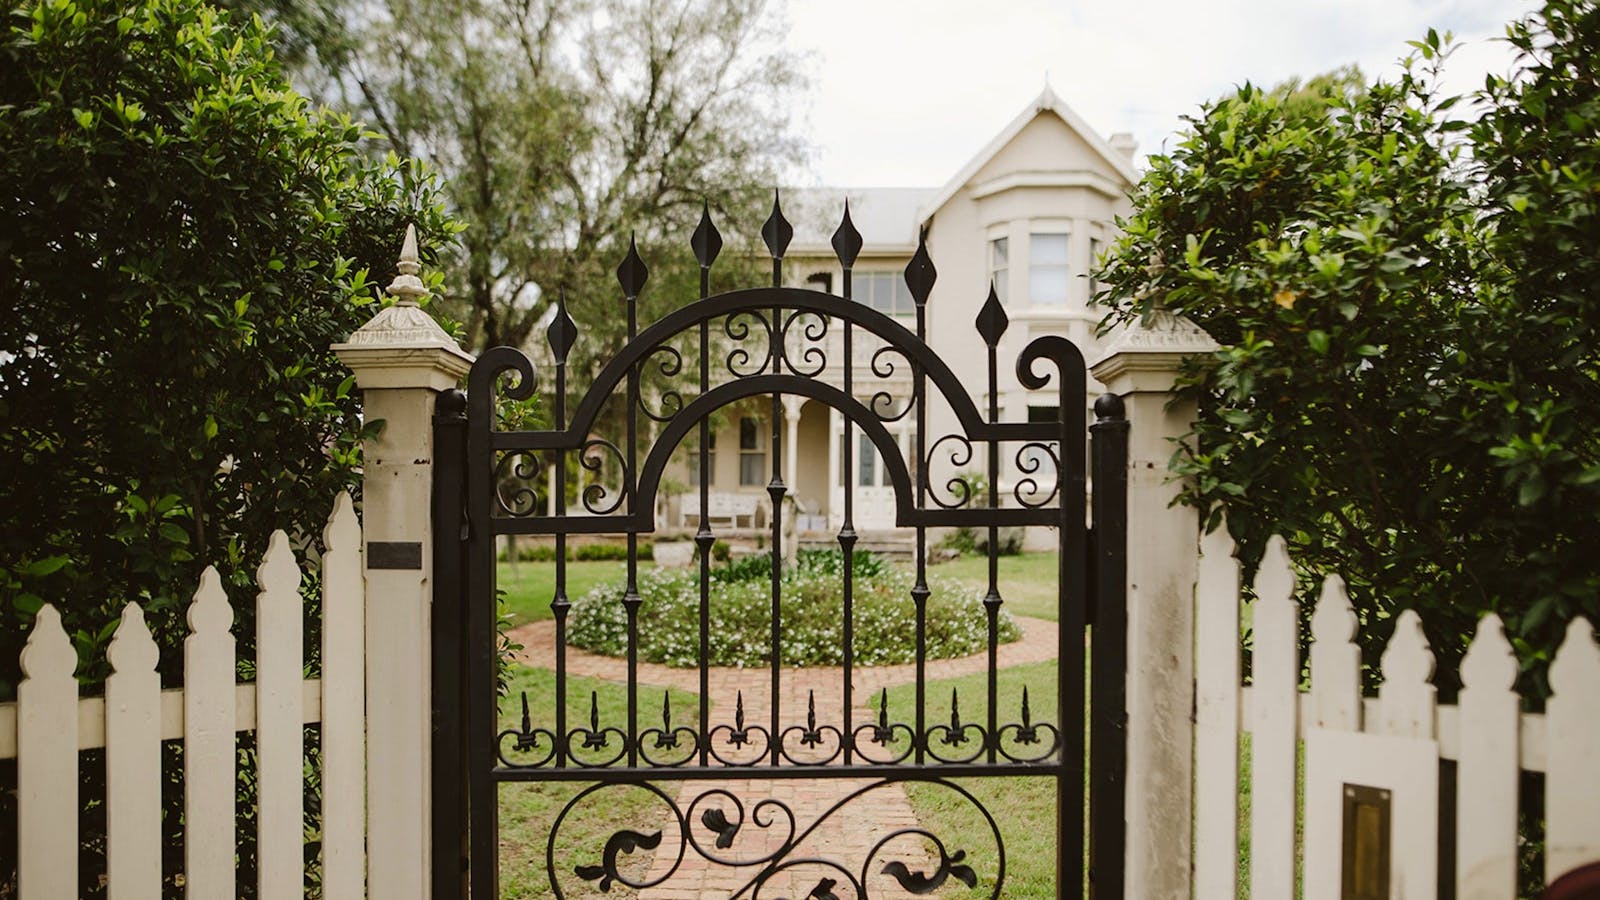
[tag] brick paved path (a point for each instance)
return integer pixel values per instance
(847, 835)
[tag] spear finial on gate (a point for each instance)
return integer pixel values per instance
(776, 231)
(707, 240)
(920, 273)
(632, 272)
(846, 239)
(563, 332)
(992, 319)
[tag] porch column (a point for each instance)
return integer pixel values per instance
(835, 427)
(401, 360)
(1140, 365)
(791, 437)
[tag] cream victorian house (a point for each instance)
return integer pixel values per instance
(1028, 213)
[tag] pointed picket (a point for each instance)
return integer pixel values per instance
(1486, 777)
(279, 737)
(210, 742)
(343, 692)
(1216, 667)
(1406, 697)
(1274, 711)
(133, 761)
(47, 763)
(1335, 660)
(1572, 780)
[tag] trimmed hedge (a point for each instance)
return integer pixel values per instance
(812, 620)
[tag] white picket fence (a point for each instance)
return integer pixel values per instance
(1392, 742)
(50, 723)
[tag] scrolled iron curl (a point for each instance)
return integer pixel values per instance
(499, 362)
(726, 830)
(666, 739)
(521, 737)
(766, 744)
(737, 328)
(945, 734)
(1051, 746)
(516, 480)
(669, 366)
(960, 491)
(1027, 491)
(588, 735)
(899, 729)
(561, 818)
(838, 742)
(1058, 350)
(760, 884)
(948, 863)
(814, 329)
(883, 366)
(595, 494)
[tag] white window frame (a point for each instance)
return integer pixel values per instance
(1042, 230)
(758, 450)
(1000, 272)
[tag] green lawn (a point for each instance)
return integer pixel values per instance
(529, 586)
(527, 811)
(1027, 581)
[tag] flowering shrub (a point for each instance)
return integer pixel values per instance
(812, 621)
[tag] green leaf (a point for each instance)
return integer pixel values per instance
(46, 566)
(174, 533)
(1318, 340)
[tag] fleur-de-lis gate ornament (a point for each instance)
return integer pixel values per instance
(710, 352)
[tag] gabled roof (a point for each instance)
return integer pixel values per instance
(1047, 101)
(886, 217)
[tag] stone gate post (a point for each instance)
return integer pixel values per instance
(1140, 365)
(401, 360)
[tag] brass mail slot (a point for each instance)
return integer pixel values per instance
(1366, 847)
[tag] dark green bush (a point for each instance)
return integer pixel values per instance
(812, 615)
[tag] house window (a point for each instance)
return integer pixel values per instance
(869, 467)
(1047, 270)
(885, 292)
(752, 453)
(711, 461)
(999, 265)
(1094, 263)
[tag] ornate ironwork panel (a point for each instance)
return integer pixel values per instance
(762, 345)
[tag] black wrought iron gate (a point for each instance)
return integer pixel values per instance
(771, 342)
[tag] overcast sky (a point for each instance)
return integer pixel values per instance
(905, 92)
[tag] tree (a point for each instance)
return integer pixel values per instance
(181, 238)
(565, 128)
(1406, 387)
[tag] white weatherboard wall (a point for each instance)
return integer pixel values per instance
(50, 723)
(1391, 742)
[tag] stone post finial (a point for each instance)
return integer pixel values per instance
(407, 288)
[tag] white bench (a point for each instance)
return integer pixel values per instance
(721, 505)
